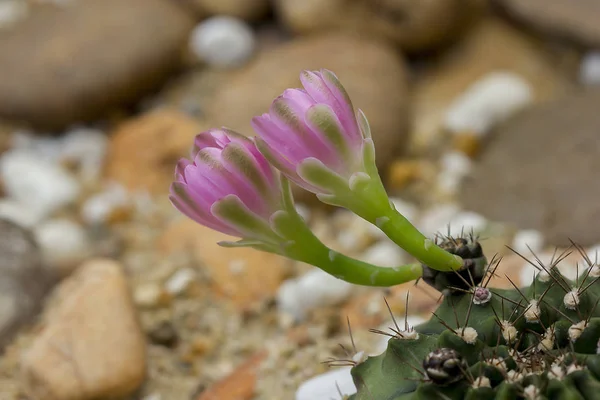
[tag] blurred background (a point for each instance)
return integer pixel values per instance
(485, 119)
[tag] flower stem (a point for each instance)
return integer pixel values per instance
(373, 204)
(405, 235)
(359, 272)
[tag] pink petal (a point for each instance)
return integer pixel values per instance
(186, 203)
(324, 87)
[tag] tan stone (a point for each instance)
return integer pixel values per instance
(250, 10)
(143, 151)
(86, 59)
(492, 46)
(243, 275)
(91, 345)
(413, 25)
(373, 74)
(239, 385)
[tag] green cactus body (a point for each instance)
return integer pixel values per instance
(537, 342)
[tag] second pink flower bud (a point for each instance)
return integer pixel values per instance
(315, 128)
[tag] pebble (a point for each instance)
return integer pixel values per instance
(455, 166)
(87, 148)
(589, 71)
(164, 334)
(593, 253)
(437, 216)
(528, 240)
(19, 213)
(246, 287)
(315, 289)
(122, 50)
(384, 100)
(148, 295)
(304, 211)
(100, 207)
(327, 385)
(408, 210)
(23, 280)
(180, 281)
(492, 99)
(522, 161)
(92, 345)
(413, 26)
(574, 22)
(223, 42)
(165, 134)
(11, 12)
(463, 224)
(353, 233)
(43, 186)
(64, 244)
(384, 254)
(249, 10)
(492, 46)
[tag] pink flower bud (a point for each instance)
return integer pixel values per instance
(313, 130)
(228, 186)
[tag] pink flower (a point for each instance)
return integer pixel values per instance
(314, 131)
(228, 186)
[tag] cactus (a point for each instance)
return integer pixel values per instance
(535, 342)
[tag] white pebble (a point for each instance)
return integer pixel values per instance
(44, 186)
(180, 281)
(87, 147)
(353, 232)
(408, 210)
(12, 11)
(327, 386)
(19, 213)
(64, 244)
(304, 211)
(455, 166)
(98, 208)
(222, 41)
(147, 295)
(437, 217)
(464, 223)
(490, 100)
(384, 254)
(527, 239)
(589, 70)
(594, 254)
(456, 162)
(312, 290)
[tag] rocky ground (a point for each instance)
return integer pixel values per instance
(483, 119)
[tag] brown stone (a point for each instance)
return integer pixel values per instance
(239, 385)
(493, 46)
(250, 10)
(91, 345)
(413, 25)
(24, 280)
(243, 275)
(75, 63)
(576, 20)
(143, 151)
(373, 74)
(540, 171)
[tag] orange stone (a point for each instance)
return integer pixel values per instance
(239, 385)
(467, 143)
(143, 151)
(243, 275)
